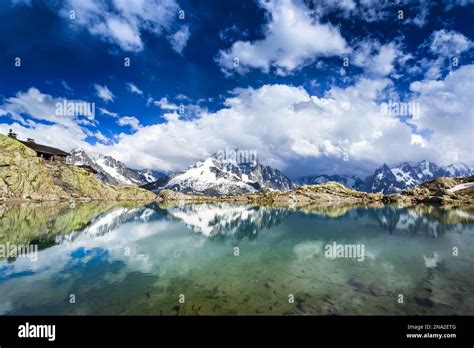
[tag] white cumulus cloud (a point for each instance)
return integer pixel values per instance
(378, 59)
(120, 22)
(447, 110)
(180, 39)
(131, 121)
(449, 43)
(164, 104)
(289, 128)
(292, 39)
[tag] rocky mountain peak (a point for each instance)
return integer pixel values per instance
(216, 176)
(112, 171)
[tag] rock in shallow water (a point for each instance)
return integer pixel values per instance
(424, 302)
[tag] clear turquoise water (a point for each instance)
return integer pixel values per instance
(129, 259)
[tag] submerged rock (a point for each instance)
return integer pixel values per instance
(361, 287)
(424, 302)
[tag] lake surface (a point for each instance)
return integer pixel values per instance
(224, 259)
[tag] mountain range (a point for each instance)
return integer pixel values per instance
(214, 176)
(217, 176)
(112, 171)
(395, 179)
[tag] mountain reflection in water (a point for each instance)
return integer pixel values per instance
(135, 258)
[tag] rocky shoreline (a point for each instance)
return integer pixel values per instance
(434, 192)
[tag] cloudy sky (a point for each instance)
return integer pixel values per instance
(315, 87)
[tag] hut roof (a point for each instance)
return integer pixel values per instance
(44, 149)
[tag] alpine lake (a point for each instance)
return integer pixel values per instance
(129, 258)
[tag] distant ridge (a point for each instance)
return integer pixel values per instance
(395, 179)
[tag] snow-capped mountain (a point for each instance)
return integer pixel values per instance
(119, 171)
(149, 175)
(112, 171)
(80, 158)
(460, 170)
(383, 180)
(216, 176)
(221, 177)
(266, 176)
(408, 176)
(396, 179)
(428, 170)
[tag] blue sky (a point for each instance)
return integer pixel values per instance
(301, 82)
